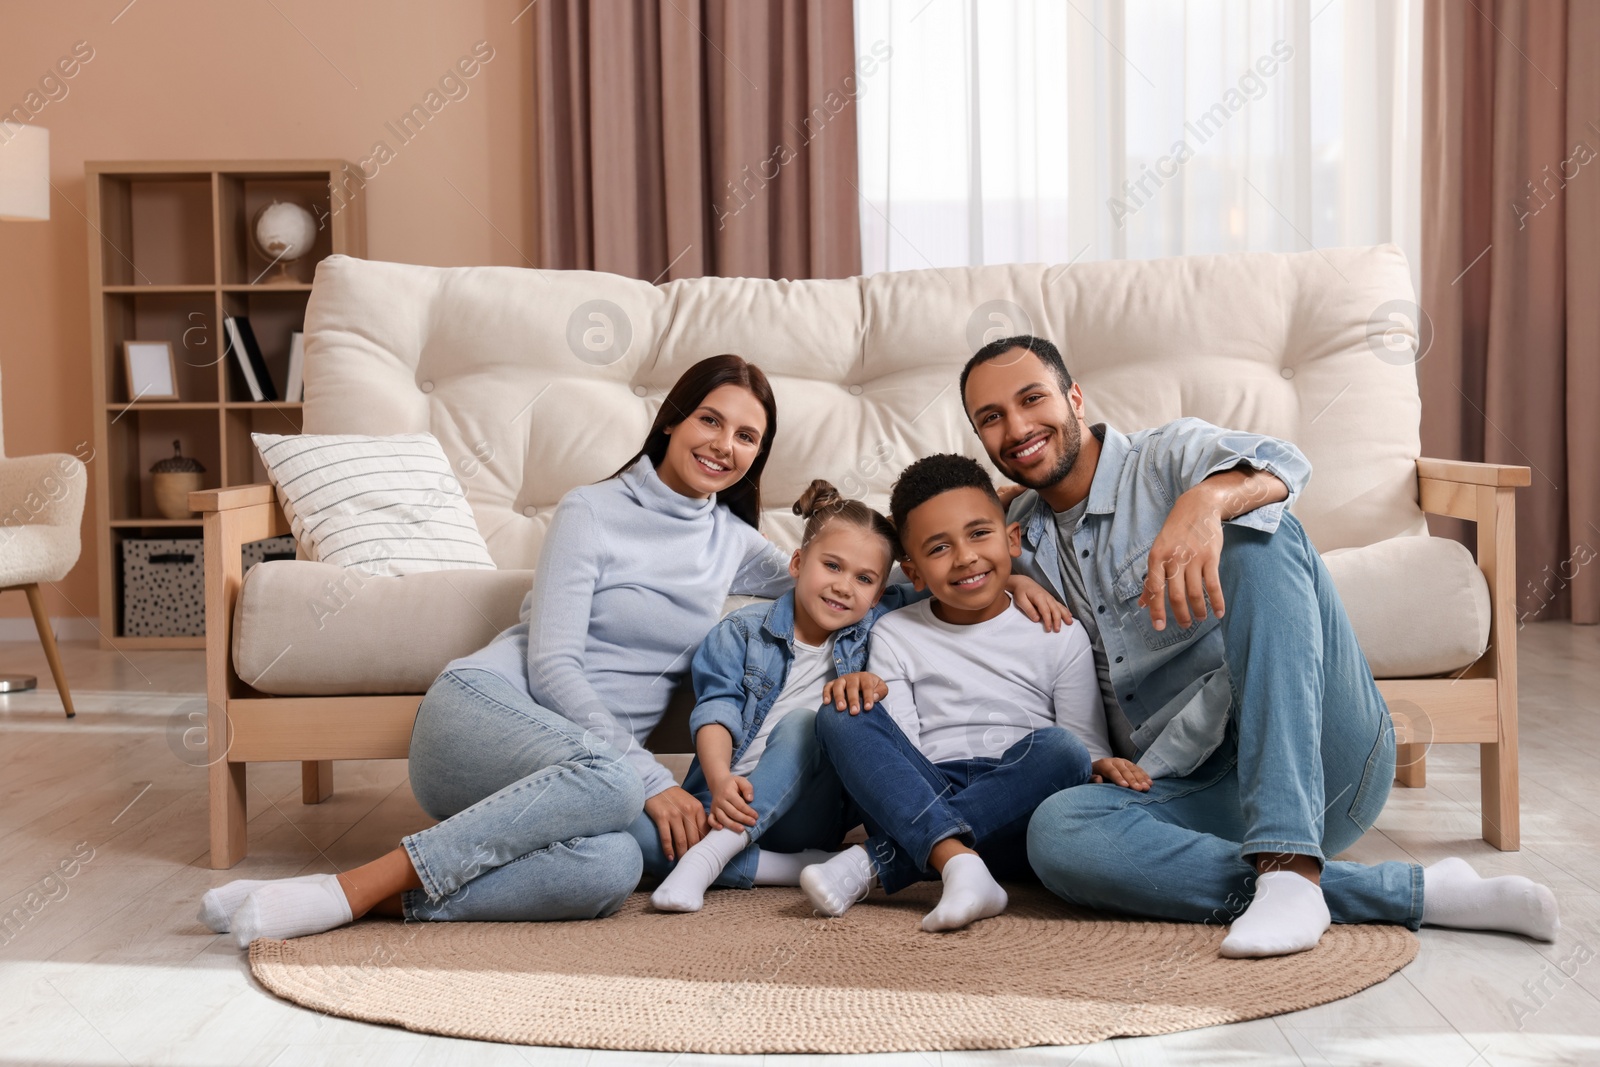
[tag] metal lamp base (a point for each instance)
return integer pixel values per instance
(16, 683)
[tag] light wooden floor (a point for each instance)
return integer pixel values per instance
(118, 971)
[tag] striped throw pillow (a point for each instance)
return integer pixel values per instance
(385, 505)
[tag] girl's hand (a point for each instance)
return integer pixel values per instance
(730, 803)
(856, 692)
(1035, 601)
(679, 819)
(1121, 772)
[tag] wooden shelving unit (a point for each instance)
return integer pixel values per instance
(169, 257)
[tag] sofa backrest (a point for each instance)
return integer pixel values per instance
(537, 381)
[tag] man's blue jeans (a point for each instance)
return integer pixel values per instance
(1305, 768)
(910, 804)
(799, 804)
(533, 809)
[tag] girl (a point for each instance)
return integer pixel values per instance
(760, 677)
(529, 750)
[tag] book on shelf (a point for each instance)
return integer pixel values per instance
(247, 353)
(295, 391)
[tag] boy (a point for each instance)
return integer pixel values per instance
(987, 714)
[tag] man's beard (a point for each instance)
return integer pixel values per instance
(1072, 442)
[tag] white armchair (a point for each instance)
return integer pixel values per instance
(41, 509)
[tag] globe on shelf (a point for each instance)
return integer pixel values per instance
(282, 232)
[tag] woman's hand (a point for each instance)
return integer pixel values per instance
(856, 692)
(730, 803)
(1121, 772)
(679, 819)
(1035, 601)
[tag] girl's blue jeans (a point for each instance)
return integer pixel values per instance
(1305, 767)
(534, 810)
(798, 804)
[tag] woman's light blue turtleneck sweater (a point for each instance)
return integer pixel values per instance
(631, 578)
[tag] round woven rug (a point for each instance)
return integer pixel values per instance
(758, 972)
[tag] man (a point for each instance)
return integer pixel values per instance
(1227, 666)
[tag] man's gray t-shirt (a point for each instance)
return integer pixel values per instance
(1083, 615)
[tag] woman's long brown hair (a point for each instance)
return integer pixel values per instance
(688, 393)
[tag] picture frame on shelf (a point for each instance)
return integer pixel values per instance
(152, 370)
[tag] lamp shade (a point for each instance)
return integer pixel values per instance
(24, 172)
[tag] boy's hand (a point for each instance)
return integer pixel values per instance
(1121, 772)
(1035, 601)
(855, 692)
(730, 803)
(1008, 493)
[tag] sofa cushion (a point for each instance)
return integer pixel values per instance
(1419, 606)
(865, 370)
(313, 629)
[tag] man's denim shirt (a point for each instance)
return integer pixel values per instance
(1172, 684)
(741, 666)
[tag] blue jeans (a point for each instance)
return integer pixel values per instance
(1305, 767)
(799, 804)
(533, 809)
(910, 804)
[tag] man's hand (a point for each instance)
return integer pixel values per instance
(730, 803)
(1184, 560)
(855, 692)
(679, 819)
(1035, 601)
(1121, 772)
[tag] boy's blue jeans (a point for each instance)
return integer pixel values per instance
(799, 804)
(1305, 767)
(910, 804)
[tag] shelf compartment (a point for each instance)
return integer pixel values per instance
(274, 314)
(187, 321)
(144, 435)
(155, 229)
(241, 195)
(243, 461)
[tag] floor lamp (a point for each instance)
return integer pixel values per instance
(24, 196)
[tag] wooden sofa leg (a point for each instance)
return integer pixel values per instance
(1502, 810)
(1411, 766)
(316, 781)
(228, 833)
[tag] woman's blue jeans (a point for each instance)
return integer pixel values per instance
(799, 804)
(534, 810)
(910, 803)
(1305, 767)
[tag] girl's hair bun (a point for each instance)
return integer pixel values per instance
(820, 495)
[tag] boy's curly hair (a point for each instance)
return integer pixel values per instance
(932, 475)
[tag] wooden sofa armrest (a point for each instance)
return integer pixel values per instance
(1486, 494)
(1459, 470)
(237, 496)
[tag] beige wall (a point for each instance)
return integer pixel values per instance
(204, 79)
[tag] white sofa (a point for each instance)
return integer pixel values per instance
(537, 381)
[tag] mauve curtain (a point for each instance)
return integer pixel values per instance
(679, 138)
(1511, 272)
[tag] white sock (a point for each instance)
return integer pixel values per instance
(783, 868)
(970, 893)
(1453, 894)
(219, 904)
(685, 888)
(1288, 915)
(291, 909)
(840, 882)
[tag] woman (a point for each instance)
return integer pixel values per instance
(530, 750)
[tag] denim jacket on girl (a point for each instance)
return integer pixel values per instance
(741, 666)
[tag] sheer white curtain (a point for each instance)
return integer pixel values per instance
(1060, 130)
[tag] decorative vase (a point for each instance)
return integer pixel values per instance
(174, 479)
